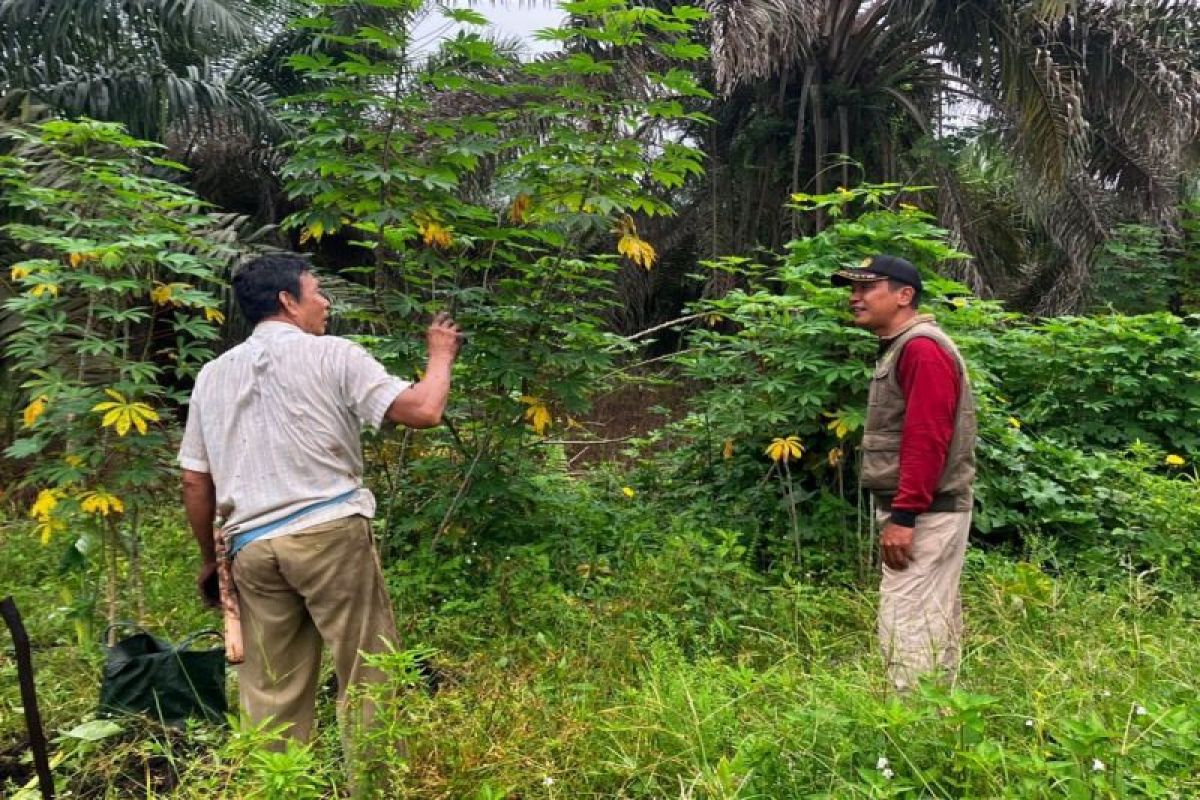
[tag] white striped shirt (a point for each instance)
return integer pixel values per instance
(277, 422)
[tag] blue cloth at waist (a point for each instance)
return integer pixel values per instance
(243, 538)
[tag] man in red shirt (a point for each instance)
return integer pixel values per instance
(919, 464)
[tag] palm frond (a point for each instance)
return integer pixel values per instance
(756, 39)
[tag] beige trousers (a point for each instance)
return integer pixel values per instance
(920, 608)
(320, 584)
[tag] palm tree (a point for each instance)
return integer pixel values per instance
(1095, 103)
(150, 64)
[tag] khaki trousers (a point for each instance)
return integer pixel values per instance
(920, 608)
(320, 584)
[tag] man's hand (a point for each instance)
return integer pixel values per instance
(896, 544)
(209, 584)
(443, 337)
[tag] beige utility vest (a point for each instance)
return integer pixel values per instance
(885, 422)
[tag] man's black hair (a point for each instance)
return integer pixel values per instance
(257, 285)
(896, 286)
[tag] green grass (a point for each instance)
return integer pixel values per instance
(679, 673)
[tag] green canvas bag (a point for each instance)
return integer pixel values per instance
(145, 674)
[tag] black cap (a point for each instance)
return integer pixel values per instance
(878, 268)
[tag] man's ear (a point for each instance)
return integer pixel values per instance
(907, 293)
(287, 303)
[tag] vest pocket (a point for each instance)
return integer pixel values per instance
(881, 460)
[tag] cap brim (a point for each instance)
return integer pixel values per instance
(845, 277)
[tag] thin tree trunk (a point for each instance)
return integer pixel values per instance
(135, 568)
(798, 142)
(820, 148)
(110, 580)
(844, 134)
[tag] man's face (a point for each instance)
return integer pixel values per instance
(876, 305)
(309, 311)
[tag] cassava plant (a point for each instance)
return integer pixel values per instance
(507, 191)
(114, 290)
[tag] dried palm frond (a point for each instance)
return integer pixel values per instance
(758, 39)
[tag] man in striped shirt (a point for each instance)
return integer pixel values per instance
(272, 447)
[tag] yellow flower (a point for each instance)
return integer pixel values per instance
(101, 502)
(34, 410)
(213, 315)
(122, 413)
(18, 272)
(959, 302)
(835, 456)
(628, 491)
(1174, 460)
(73, 460)
(43, 506)
(45, 288)
(784, 449)
(727, 450)
(76, 259)
(434, 234)
(537, 414)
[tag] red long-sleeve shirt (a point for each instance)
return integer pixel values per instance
(929, 378)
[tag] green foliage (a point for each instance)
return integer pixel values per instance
(491, 187)
(114, 290)
(1076, 414)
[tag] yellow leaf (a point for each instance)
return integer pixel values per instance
(1014, 422)
(539, 418)
(628, 491)
(1174, 460)
(123, 415)
(637, 250)
(45, 288)
(73, 460)
(48, 528)
(213, 315)
(835, 456)
(839, 427)
(518, 212)
(314, 230)
(18, 272)
(34, 410)
(727, 450)
(160, 295)
(784, 449)
(101, 502)
(43, 506)
(435, 235)
(76, 259)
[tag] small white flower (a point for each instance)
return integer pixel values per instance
(547, 781)
(887, 773)
(1098, 765)
(1028, 723)
(1106, 693)
(882, 763)
(1139, 710)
